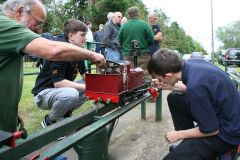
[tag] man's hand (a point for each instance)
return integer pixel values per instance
(172, 136)
(20, 120)
(161, 85)
(99, 60)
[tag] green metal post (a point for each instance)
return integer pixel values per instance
(159, 107)
(110, 129)
(31, 73)
(225, 65)
(143, 110)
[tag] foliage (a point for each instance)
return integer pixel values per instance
(229, 35)
(100, 10)
(176, 38)
(59, 11)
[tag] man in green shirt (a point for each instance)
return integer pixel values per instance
(17, 17)
(136, 29)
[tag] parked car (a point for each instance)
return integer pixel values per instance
(197, 55)
(207, 58)
(221, 57)
(186, 57)
(233, 54)
(177, 53)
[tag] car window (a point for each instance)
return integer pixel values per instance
(234, 52)
(223, 53)
(197, 55)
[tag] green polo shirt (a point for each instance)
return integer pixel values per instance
(13, 38)
(135, 29)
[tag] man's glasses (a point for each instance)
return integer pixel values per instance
(39, 23)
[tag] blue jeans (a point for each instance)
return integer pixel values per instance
(114, 55)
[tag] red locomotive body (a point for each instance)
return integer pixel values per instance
(111, 84)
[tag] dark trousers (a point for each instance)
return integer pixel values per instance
(206, 148)
(100, 49)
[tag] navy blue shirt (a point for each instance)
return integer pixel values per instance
(98, 36)
(213, 99)
(155, 46)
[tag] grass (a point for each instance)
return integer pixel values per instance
(223, 67)
(31, 114)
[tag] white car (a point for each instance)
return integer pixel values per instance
(186, 57)
(207, 58)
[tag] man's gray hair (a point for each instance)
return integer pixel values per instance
(12, 5)
(110, 16)
(133, 11)
(151, 15)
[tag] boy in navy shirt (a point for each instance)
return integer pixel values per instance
(205, 109)
(56, 88)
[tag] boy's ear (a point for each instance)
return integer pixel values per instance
(169, 74)
(70, 35)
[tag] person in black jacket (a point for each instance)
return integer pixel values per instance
(55, 88)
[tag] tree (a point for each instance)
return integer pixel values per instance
(229, 35)
(1, 1)
(103, 7)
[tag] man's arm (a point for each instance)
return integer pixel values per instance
(61, 51)
(174, 136)
(67, 83)
(158, 36)
(178, 87)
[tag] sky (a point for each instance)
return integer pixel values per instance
(195, 17)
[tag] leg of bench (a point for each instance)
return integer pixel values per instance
(143, 110)
(94, 146)
(110, 129)
(159, 107)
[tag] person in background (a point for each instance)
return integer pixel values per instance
(204, 107)
(111, 29)
(98, 37)
(136, 29)
(55, 88)
(152, 20)
(19, 20)
(89, 32)
(123, 20)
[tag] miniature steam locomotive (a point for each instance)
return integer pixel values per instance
(118, 83)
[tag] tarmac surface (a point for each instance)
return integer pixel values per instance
(142, 139)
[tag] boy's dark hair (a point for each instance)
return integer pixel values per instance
(164, 61)
(73, 26)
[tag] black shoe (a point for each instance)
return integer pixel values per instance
(46, 122)
(68, 114)
(172, 147)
